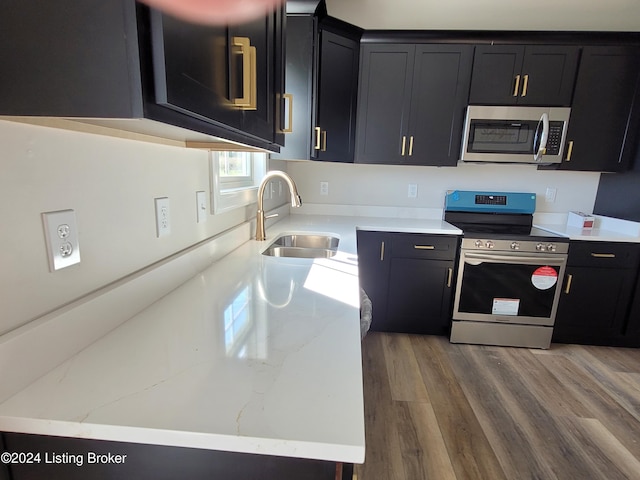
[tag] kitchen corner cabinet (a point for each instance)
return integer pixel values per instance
(411, 104)
(602, 135)
(409, 279)
(322, 58)
(152, 462)
(597, 291)
(120, 60)
(538, 75)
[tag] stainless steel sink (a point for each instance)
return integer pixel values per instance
(303, 246)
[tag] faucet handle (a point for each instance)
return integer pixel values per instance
(272, 215)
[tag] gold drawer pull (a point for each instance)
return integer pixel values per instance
(525, 85)
(404, 144)
(603, 255)
(324, 141)
(568, 287)
(569, 151)
(381, 251)
(449, 277)
(248, 101)
(318, 134)
(424, 247)
(517, 86)
(411, 146)
(289, 98)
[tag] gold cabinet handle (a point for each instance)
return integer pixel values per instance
(289, 98)
(411, 145)
(525, 84)
(248, 101)
(324, 141)
(318, 135)
(568, 287)
(424, 247)
(381, 251)
(404, 144)
(517, 86)
(603, 255)
(569, 151)
(449, 276)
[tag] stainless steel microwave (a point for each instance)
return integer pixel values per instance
(515, 134)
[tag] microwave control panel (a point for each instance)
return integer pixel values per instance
(555, 137)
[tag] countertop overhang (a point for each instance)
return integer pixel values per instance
(255, 354)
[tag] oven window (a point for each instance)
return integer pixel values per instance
(501, 137)
(508, 289)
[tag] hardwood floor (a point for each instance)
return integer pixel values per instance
(436, 410)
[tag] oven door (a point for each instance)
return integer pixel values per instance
(508, 287)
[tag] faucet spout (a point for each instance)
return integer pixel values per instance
(296, 200)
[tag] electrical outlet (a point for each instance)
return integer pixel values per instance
(412, 191)
(550, 195)
(61, 234)
(324, 188)
(201, 206)
(163, 223)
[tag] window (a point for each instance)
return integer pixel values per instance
(235, 177)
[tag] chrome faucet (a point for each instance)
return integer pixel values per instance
(296, 201)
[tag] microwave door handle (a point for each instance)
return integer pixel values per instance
(542, 149)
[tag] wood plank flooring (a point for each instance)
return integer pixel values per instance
(436, 410)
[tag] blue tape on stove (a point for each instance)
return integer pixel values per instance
(504, 202)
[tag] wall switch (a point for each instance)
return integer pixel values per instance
(163, 224)
(61, 234)
(412, 192)
(201, 206)
(550, 195)
(324, 188)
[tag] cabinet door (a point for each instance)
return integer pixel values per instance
(631, 328)
(439, 97)
(495, 69)
(593, 305)
(373, 273)
(598, 136)
(420, 296)
(191, 70)
(258, 112)
(383, 102)
(337, 95)
(300, 70)
(524, 75)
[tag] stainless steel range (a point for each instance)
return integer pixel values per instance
(509, 273)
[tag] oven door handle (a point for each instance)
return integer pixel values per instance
(478, 258)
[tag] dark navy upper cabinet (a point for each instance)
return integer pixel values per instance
(120, 60)
(540, 75)
(412, 101)
(322, 56)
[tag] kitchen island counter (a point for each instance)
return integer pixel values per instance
(255, 354)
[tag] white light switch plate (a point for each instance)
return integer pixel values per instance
(61, 234)
(201, 206)
(163, 223)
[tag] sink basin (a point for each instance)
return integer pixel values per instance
(303, 246)
(307, 241)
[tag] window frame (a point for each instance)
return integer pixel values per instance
(230, 193)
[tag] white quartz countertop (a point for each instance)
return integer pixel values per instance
(255, 354)
(606, 229)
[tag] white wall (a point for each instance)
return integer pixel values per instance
(111, 184)
(387, 185)
(615, 15)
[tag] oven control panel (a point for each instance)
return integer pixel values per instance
(524, 246)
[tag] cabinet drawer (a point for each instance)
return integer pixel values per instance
(604, 254)
(436, 247)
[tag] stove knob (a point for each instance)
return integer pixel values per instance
(515, 246)
(540, 247)
(478, 243)
(551, 247)
(490, 244)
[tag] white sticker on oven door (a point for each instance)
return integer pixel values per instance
(505, 306)
(544, 278)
